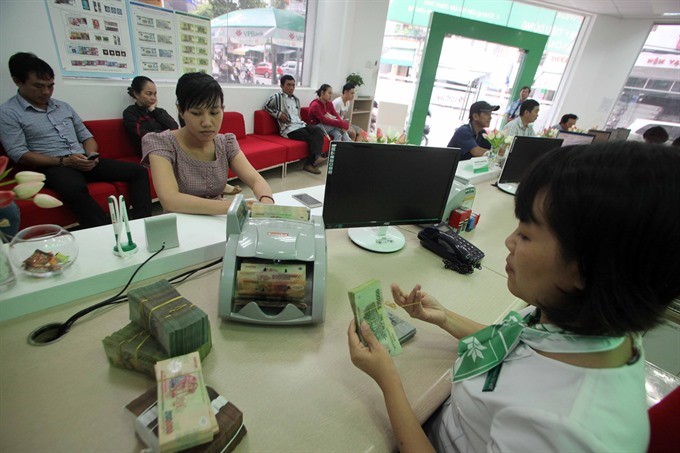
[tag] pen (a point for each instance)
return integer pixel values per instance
(124, 215)
(112, 211)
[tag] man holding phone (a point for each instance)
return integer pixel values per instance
(48, 134)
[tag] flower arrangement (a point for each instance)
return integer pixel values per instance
(549, 133)
(496, 138)
(391, 136)
(28, 185)
(579, 131)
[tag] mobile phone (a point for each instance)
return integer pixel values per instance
(92, 156)
(307, 200)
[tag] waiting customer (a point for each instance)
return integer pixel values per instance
(656, 135)
(342, 105)
(522, 125)
(512, 111)
(568, 373)
(470, 137)
(48, 134)
(323, 114)
(285, 108)
(145, 116)
(190, 165)
(566, 122)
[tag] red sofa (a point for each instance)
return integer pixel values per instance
(262, 154)
(114, 143)
(266, 128)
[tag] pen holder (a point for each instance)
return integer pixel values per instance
(128, 249)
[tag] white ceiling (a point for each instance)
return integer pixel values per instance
(625, 9)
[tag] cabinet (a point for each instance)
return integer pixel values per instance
(361, 112)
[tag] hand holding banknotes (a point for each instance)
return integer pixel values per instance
(419, 305)
(373, 359)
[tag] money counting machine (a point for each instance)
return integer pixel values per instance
(274, 266)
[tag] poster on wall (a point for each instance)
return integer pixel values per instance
(92, 37)
(194, 43)
(155, 36)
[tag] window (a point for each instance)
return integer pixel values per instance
(652, 93)
(254, 42)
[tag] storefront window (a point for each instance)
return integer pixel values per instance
(651, 95)
(254, 42)
(470, 69)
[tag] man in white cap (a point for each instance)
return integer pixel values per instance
(469, 137)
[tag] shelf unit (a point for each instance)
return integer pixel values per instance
(361, 112)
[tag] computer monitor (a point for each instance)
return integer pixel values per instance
(575, 138)
(521, 154)
(621, 134)
(370, 186)
(600, 136)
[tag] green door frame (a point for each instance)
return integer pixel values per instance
(442, 25)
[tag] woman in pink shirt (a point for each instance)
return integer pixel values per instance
(323, 114)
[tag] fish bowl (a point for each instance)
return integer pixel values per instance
(43, 250)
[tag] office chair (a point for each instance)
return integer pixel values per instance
(663, 420)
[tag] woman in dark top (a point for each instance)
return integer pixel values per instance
(144, 116)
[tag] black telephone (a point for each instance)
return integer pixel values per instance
(459, 254)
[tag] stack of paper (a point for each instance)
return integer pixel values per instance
(367, 305)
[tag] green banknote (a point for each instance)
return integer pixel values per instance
(367, 305)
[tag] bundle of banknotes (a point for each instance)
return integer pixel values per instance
(185, 415)
(144, 410)
(134, 348)
(164, 325)
(270, 284)
(367, 305)
(178, 325)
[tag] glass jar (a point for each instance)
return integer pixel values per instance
(43, 250)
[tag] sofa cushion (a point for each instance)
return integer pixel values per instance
(265, 124)
(112, 138)
(233, 122)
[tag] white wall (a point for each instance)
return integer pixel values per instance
(600, 68)
(348, 35)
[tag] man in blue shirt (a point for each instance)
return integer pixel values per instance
(46, 133)
(469, 137)
(512, 111)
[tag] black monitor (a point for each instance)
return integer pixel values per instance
(600, 136)
(575, 138)
(374, 185)
(520, 155)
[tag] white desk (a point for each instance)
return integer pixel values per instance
(295, 385)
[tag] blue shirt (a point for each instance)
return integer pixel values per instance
(513, 108)
(57, 131)
(465, 139)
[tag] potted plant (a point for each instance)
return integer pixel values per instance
(355, 79)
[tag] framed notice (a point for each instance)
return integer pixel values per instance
(194, 43)
(154, 32)
(92, 37)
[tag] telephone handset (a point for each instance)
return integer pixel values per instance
(459, 254)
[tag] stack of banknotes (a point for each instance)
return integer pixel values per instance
(271, 284)
(164, 325)
(367, 305)
(185, 415)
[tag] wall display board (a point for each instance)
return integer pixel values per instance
(154, 31)
(119, 38)
(92, 37)
(194, 42)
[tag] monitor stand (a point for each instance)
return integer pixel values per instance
(508, 187)
(381, 239)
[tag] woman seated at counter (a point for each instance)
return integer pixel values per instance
(190, 165)
(323, 114)
(567, 373)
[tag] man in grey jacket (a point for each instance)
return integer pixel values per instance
(285, 108)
